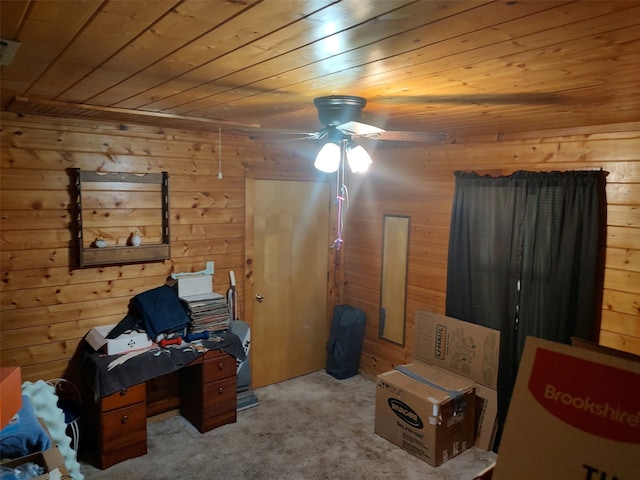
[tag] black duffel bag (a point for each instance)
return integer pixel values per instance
(345, 341)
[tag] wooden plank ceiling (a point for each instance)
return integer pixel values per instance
(462, 67)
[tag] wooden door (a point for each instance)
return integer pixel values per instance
(288, 240)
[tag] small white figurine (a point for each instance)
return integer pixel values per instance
(134, 239)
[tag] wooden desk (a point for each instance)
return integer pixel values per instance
(116, 425)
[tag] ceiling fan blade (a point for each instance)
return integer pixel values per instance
(405, 136)
(514, 98)
(274, 132)
(311, 136)
(306, 135)
(358, 128)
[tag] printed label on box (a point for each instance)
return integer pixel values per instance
(460, 347)
(601, 402)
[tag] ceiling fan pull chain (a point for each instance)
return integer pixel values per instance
(219, 154)
(337, 243)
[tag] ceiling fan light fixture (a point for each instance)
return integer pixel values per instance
(334, 110)
(358, 159)
(328, 158)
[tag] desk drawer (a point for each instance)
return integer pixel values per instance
(123, 427)
(110, 458)
(219, 397)
(124, 397)
(219, 366)
(218, 420)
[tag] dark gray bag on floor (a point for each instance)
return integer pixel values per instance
(345, 341)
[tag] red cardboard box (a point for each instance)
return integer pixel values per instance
(574, 415)
(10, 394)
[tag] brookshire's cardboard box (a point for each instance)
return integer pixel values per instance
(469, 350)
(97, 338)
(10, 394)
(574, 414)
(426, 411)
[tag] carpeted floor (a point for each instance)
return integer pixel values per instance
(309, 428)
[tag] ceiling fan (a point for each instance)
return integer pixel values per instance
(340, 116)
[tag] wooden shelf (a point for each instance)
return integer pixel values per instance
(114, 205)
(94, 256)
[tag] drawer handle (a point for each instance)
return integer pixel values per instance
(123, 392)
(221, 366)
(220, 390)
(124, 419)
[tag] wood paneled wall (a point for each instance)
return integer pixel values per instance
(47, 305)
(419, 182)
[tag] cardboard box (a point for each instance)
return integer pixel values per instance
(574, 414)
(49, 460)
(113, 346)
(10, 394)
(194, 284)
(469, 350)
(418, 412)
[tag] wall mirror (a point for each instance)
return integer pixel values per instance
(393, 289)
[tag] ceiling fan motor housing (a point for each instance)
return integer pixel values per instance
(334, 110)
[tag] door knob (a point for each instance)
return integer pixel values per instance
(260, 298)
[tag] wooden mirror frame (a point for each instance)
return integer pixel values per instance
(393, 283)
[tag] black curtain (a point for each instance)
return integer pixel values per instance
(525, 259)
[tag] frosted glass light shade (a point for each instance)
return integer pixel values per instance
(328, 159)
(358, 158)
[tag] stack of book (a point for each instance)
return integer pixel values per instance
(208, 312)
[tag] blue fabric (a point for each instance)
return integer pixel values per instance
(70, 408)
(24, 434)
(161, 311)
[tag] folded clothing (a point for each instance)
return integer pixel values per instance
(24, 434)
(158, 311)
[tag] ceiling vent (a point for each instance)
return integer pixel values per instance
(8, 50)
